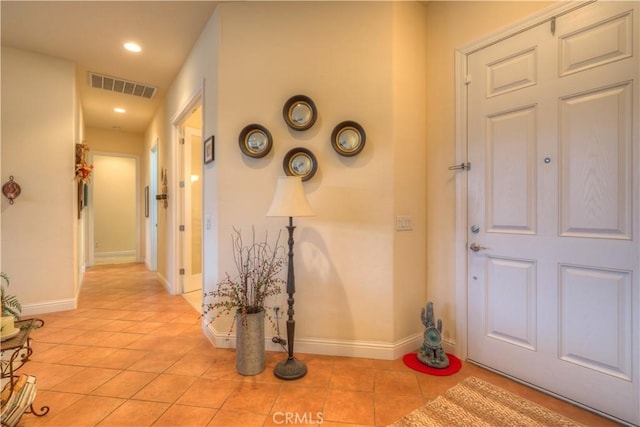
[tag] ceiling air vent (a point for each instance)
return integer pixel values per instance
(115, 84)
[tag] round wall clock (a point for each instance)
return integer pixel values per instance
(348, 138)
(300, 162)
(299, 112)
(255, 141)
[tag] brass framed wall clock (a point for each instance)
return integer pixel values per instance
(300, 112)
(300, 162)
(255, 141)
(348, 138)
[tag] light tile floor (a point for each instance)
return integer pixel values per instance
(132, 355)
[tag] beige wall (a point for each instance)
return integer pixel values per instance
(113, 205)
(113, 141)
(410, 156)
(157, 136)
(360, 283)
(351, 264)
(451, 25)
(39, 113)
(128, 144)
(189, 83)
(347, 256)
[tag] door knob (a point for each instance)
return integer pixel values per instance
(476, 247)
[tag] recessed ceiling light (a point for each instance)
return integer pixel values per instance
(119, 110)
(132, 47)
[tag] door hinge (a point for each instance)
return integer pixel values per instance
(181, 271)
(181, 141)
(465, 166)
(553, 26)
(181, 184)
(467, 79)
(181, 227)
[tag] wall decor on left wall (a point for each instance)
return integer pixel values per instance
(11, 190)
(83, 174)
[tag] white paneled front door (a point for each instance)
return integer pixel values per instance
(553, 260)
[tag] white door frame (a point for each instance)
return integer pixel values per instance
(91, 234)
(190, 279)
(461, 54)
(152, 250)
(197, 98)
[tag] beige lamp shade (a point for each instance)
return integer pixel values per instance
(289, 198)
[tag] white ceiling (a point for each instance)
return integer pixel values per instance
(92, 33)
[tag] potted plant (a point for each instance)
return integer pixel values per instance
(10, 304)
(245, 295)
(10, 311)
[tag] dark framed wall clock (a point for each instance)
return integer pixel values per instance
(300, 162)
(299, 112)
(255, 140)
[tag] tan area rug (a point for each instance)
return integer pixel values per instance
(476, 403)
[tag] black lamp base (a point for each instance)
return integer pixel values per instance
(290, 369)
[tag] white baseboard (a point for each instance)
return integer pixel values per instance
(49, 307)
(364, 349)
(164, 282)
(114, 257)
(450, 347)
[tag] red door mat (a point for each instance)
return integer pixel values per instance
(411, 360)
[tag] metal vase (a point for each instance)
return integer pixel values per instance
(250, 347)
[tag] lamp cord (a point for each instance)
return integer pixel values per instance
(277, 339)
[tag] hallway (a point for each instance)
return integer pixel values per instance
(132, 355)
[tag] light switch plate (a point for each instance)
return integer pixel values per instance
(404, 223)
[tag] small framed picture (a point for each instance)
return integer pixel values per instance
(209, 150)
(146, 201)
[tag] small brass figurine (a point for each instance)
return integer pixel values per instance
(431, 352)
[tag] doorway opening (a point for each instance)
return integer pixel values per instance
(113, 225)
(190, 200)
